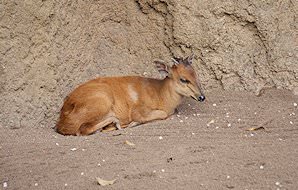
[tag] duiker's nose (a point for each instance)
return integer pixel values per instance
(201, 98)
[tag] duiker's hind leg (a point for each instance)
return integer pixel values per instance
(91, 128)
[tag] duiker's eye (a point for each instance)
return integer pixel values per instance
(184, 80)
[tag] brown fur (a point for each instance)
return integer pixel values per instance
(118, 102)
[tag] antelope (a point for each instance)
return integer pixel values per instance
(110, 103)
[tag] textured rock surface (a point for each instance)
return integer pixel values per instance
(48, 47)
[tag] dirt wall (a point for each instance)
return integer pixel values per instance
(49, 47)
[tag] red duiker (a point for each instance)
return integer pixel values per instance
(110, 103)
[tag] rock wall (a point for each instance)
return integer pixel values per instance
(49, 47)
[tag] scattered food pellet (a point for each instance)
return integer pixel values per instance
(186, 117)
(178, 115)
(162, 170)
(103, 160)
(239, 119)
(65, 184)
(83, 149)
(251, 134)
(57, 144)
(255, 113)
(210, 122)
(129, 143)
(188, 104)
(4, 184)
(154, 171)
(277, 183)
(198, 114)
(216, 127)
(160, 137)
(82, 173)
(228, 177)
(214, 104)
(181, 121)
(261, 167)
(194, 114)
(36, 184)
(291, 122)
(98, 164)
(295, 104)
(229, 124)
(193, 133)
(73, 149)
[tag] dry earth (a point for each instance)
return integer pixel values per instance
(186, 151)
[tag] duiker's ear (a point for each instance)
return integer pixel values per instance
(175, 61)
(162, 68)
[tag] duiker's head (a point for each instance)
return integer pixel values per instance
(184, 77)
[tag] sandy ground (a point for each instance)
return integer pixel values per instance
(186, 151)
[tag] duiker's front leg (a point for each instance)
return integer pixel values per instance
(146, 116)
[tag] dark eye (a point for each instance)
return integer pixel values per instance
(184, 80)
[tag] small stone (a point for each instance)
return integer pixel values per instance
(214, 105)
(4, 184)
(73, 149)
(98, 164)
(83, 149)
(216, 127)
(36, 184)
(188, 104)
(82, 173)
(251, 134)
(194, 114)
(181, 121)
(229, 124)
(178, 115)
(154, 171)
(162, 170)
(295, 104)
(239, 119)
(57, 144)
(193, 133)
(198, 114)
(228, 177)
(277, 183)
(103, 160)
(160, 137)
(291, 122)
(65, 184)
(261, 167)
(186, 117)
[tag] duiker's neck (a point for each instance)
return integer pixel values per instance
(170, 97)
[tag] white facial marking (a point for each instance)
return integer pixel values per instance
(132, 93)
